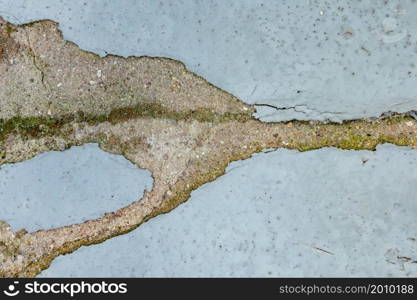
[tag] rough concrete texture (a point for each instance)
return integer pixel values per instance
(56, 78)
(285, 213)
(313, 59)
(150, 110)
(62, 188)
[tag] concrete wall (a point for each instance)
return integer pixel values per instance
(322, 213)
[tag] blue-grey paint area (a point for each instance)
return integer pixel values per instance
(62, 188)
(317, 59)
(320, 213)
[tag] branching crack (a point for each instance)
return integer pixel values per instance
(384, 115)
(34, 60)
(296, 108)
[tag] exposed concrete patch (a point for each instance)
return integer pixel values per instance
(150, 110)
(316, 213)
(348, 56)
(76, 81)
(56, 189)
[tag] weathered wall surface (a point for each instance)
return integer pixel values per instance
(319, 59)
(326, 212)
(285, 213)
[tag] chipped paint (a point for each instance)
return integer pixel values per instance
(152, 111)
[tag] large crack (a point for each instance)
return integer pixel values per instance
(155, 113)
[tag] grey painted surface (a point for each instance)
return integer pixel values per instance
(269, 215)
(321, 59)
(62, 188)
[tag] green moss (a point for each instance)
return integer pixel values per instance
(36, 127)
(354, 141)
(157, 111)
(30, 126)
(396, 140)
(308, 147)
(9, 29)
(397, 119)
(353, 135)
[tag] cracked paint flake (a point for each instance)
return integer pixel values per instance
(154, 112)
